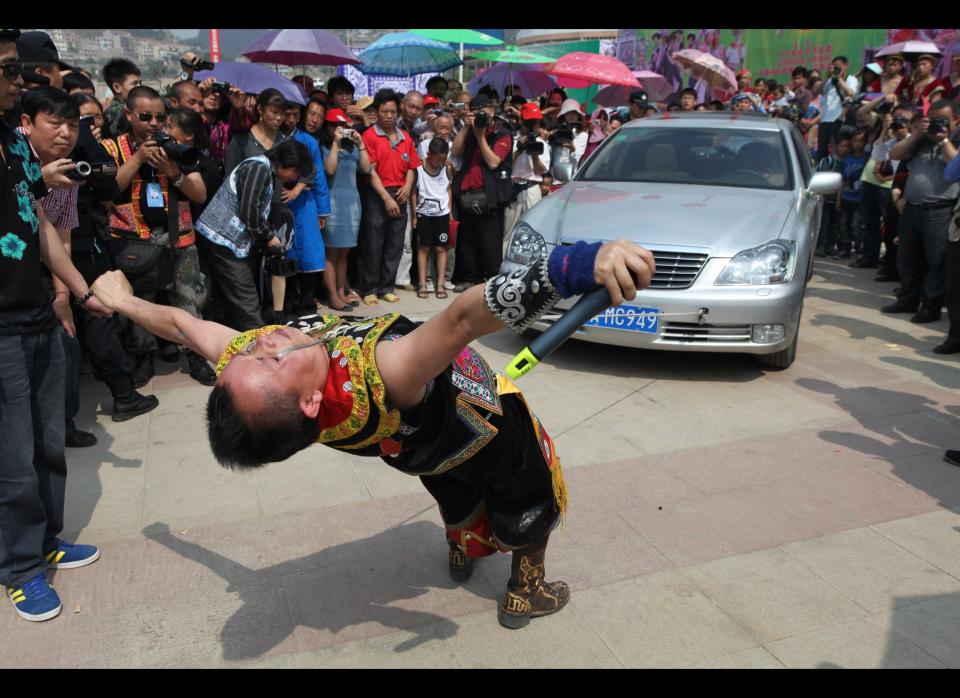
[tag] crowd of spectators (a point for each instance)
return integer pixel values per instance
(250, 209)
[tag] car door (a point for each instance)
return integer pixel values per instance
(811, 207)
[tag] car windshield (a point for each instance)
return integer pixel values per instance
(685, 155)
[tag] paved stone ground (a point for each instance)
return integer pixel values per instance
(721, 516)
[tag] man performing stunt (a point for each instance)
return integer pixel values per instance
(415, 395)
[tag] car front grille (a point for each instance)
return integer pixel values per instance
(693, 332)
(676, 270)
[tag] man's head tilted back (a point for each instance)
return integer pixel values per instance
(263, 408)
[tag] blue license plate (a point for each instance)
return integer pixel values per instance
(629, 318)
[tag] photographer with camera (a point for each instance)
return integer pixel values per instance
(568, 143)
(482, 187)
(531, 161)
(925, 219)
(240, 221)
(151, 224)
(839, 87)
(224, 115)
(341, 93)
(886, 171)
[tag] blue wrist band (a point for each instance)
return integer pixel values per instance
(571, 268)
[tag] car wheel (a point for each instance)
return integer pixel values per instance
(781, 359)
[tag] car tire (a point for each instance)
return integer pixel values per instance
(781, 359)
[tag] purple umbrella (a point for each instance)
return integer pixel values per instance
(254, 79)
(529, 76)
(299, 47)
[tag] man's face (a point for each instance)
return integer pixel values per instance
(146, 107)
(387, 116)
(412, 106)
(857, 142)
(688, 102)
(314, 119)
(436, 160)
(555, 100)
(443, 127)
(799, 81)
(303, 372)
(53, 74)
(10, 87)
(893, 66)
(53, 137)
(842, 149)
(946, 113)
(743, 82)
(291, 117)
(840, 65)
(190, 97)
(343, 99)
(637, 111)
(122, 89)
(438, 89)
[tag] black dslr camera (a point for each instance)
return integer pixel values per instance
(937, 127)
(183, 155)
(532, 146)
(481, 120)
(222, 88)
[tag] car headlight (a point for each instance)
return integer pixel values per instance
(770, 263)
(526, 245)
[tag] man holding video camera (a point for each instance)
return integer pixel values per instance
(482, 187)
(151, 227)
(838, 88)
(531, 161)
(925, 219)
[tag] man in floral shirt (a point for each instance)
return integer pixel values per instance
(33, 468)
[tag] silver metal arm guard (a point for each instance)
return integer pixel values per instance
(519, 298)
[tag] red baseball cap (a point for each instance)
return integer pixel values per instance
(530, 111)
(337, 116)
(430, 100)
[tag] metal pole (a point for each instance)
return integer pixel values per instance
(461, 63)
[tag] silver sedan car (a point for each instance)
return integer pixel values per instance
(730, 207)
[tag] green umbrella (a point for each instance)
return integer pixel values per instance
(512, 54)
(459, 36)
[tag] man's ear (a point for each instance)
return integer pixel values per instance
(27, 123)
(310, 406)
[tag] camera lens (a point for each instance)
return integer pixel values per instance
(84, 169)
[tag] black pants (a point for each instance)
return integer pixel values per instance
(831, 227)
(953, 291)
(235, 285)
(876, 202)
(33, 469)
(891, 223)
(381, 244)
(921, 259)
(850, 228)
(827, 136)
(479, 246)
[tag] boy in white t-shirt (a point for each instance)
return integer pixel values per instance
(431, 202)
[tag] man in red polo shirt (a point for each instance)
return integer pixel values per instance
(393, 155)
(483, 188)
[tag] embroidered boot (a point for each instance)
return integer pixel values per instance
(461, 567)
(528, 595)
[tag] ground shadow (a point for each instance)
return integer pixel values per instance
(335, 588)
(943, 374)
(861, 329)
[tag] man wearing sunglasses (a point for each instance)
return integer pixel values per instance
(415, 395)
(154, 207)
(33, 468)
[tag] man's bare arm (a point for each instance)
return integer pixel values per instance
(408, 363)
(208, 339)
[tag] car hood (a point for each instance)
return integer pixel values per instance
(725, 219)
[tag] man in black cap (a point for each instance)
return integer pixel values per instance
(41, 60)
(638, 104)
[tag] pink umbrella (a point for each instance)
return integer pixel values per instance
(706, 67)
(300, 47)
(909, 49)
(591, 68)
(655, 85)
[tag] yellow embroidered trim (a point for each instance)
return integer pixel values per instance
(389, 421)
(237, 344)
(361, 404)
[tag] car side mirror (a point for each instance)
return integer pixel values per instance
(825, 183)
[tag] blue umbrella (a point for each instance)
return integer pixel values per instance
(405, 53)
(254, 79)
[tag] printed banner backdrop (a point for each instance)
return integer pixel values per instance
(773, 53)
(368, 85)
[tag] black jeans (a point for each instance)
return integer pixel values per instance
(831, 224)
(381, 244)
(876, 202)
(33, 469)
(235, 285)
(953, 291)
(921, 259)
(479, 246)
(826, 136)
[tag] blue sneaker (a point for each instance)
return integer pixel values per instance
(36, 600)
(67, 555)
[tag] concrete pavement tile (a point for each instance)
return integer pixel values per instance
(405, 509)
(186, 505)
(95, 473)
(339, 484)
(811, 452)
(30, 645)
(661, 620)
(652, 427)
(382, 481)
(422, 648)
(171, 464)
(927, 473)
(843, 499)
(871, 570)
(594, 441)
(858, 644)
(559, 641)
(934, 537)
(932, 624)
(891, 438)
(754, 658)
(610, 487)
(846, 369)
(111, 509)
(771, 595)
(714, 526)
